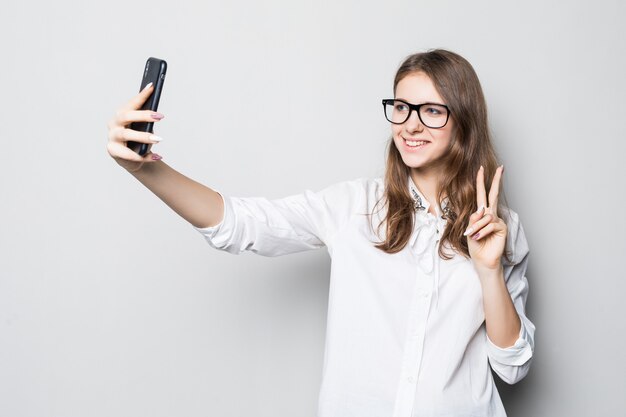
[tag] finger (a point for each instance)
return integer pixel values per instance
(121, 151)
(125, 117)
(477, 214)
(137, 101)
(491, 228)
(495, 190)
(477, 226)
(123, 135)
(152, 157)
(481, 197)
(485, 231)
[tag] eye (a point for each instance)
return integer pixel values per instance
(434, 111)
(401, 107)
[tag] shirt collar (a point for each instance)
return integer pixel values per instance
(421, 204)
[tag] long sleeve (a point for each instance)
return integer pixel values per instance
(513, 363)
(296, 223)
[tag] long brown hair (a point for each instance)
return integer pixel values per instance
(470, 147)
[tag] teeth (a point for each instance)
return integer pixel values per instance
(414, 143)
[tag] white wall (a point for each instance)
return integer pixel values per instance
(112, 305)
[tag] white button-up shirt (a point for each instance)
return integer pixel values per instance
(405, 332)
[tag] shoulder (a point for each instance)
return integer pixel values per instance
(353, 189)
(349, 197)
(362, 182)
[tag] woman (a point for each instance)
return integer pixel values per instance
(428, 286)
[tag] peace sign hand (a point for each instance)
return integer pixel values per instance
(486, 234)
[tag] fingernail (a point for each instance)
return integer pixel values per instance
(468, 231)
(157, 116)
(482, 206)
(481, 167)
(147, 86)
(156, 157)
(503, 168)
(155, 138)
(476, 236)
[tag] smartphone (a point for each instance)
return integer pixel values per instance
(154, 72)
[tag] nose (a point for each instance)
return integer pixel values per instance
(413, 123)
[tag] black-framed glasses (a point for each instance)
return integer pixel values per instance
(432, 115)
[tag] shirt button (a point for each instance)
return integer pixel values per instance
(410, 380)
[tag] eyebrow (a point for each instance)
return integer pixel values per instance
(426, 102)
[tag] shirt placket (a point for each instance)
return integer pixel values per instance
(413, 348)
(419, 310)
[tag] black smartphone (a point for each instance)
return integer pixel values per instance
(154, 72)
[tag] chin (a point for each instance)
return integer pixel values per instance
(412, 163)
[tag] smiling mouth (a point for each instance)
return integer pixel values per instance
(415, 143)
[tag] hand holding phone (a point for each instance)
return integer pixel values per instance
(154, 72)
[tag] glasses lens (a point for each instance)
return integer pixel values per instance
(433, 115)
(396, 111)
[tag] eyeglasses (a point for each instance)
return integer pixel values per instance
(432, 115)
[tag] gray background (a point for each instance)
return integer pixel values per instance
(110, 304)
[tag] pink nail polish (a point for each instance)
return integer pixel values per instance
(156, 157)
(476, 236)
(157, 116)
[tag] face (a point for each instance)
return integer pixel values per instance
(417, 88)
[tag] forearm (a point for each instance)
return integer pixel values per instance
(502, 321)
(196, 203)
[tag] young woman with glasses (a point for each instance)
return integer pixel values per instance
(428, 276)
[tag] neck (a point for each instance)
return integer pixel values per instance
(427, 181)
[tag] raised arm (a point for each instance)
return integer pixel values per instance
(196, 203)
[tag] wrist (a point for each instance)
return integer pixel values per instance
(133, 170)
(144, 169)
(489, 272)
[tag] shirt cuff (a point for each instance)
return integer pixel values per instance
(515, 355)
(218, 235)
